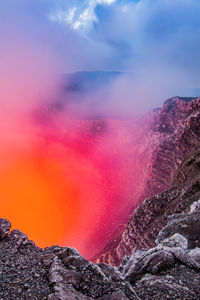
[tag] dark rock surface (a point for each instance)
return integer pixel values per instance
(28, 272)
(187, 225)
(4, 228)
(172, 181)
(148, 219)
(22, 274)
(170, 270)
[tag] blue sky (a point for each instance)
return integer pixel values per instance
(112, 34)
(127, 31)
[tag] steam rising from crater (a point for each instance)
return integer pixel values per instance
(58, 175)
(65, 177)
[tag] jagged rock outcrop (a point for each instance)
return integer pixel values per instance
(187, 225)
(170, 270)
(22, 274)
(28, 272)
(174, 134)
(176, 127)
(153, 213)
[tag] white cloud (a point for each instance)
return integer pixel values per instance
(105, 1)
(65, 17)
(78, 16)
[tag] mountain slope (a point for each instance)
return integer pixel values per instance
(174, 133)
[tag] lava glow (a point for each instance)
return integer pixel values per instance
(32, 191)
(75, 182)
(65, 181)
(49, 188)
(62, 181)
(50, 192)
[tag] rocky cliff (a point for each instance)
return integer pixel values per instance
(173, 134)
(169, 270)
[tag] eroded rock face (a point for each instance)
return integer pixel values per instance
(170, 270)
(172, 179)
(148, 219)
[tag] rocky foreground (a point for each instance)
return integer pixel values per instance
(170, 270)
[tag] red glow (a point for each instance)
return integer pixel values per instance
(62, 181)
(50, 192)
(66, 183)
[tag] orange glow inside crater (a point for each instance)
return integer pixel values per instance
(38, 199)
(50, 193)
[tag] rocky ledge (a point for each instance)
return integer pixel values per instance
(170, 270)
(152, 215)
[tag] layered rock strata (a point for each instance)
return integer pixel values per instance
(174, 134)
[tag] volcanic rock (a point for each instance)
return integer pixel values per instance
(4, 228)
(170, 270)
(187, 224)
(153, 213)
(171, 178)
(22, 274)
